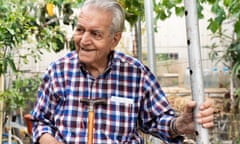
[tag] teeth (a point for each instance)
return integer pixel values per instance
(86, 49)
(83, 48)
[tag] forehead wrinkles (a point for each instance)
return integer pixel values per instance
(95, 17)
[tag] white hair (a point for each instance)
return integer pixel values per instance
(112, 6)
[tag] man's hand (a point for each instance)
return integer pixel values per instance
(205, 117)
(48, 139)
(206, 114)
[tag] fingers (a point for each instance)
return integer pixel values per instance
(208, 103)
(206, 122)
(205, 111)
(189, 107)
(206, 116)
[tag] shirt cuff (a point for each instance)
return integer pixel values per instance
(39, 130)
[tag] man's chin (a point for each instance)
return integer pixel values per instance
(83, 60)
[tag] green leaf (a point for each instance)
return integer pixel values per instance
(11, 64)
(5, 64)
(237, 29)
(213, 25)
(227, 2)
(162, 15)
(168, 4)
(11, 31)
(199, 10)
(179, 11)
(236, 68)
(177, 1)
(211, 1)
(234, 8)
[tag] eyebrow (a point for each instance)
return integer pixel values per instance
(79, 25)
(91, 29)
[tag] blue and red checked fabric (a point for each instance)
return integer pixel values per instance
(134, 101)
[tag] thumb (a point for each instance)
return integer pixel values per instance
(189, 107)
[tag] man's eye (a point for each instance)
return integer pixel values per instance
(80, 30)
(97, 35)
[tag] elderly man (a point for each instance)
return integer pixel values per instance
(95, 70)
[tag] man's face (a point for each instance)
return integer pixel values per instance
(92, 37)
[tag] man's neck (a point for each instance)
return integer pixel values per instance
(98, 69)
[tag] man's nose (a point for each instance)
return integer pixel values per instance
(86, 38)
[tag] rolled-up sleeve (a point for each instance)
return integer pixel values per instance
(156, 113)
(43, 112)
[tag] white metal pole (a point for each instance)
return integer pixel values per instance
(148, 7)
(194, 55)
(139, 39)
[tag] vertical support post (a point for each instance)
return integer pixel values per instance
(194, 55)
(1, 106)
(150, 34)
(139, 39)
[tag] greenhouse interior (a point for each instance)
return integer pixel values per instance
(191, 47)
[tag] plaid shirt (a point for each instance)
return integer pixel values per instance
(134, 101)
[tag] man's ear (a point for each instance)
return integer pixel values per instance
(116, 39)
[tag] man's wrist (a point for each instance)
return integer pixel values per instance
(173, 128)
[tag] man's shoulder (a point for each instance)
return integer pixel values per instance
(69, 58)
(127, 59)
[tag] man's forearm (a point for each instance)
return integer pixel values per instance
(47, 138)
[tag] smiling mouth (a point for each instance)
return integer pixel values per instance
(87, 50)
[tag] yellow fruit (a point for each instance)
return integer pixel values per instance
(50, 9)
